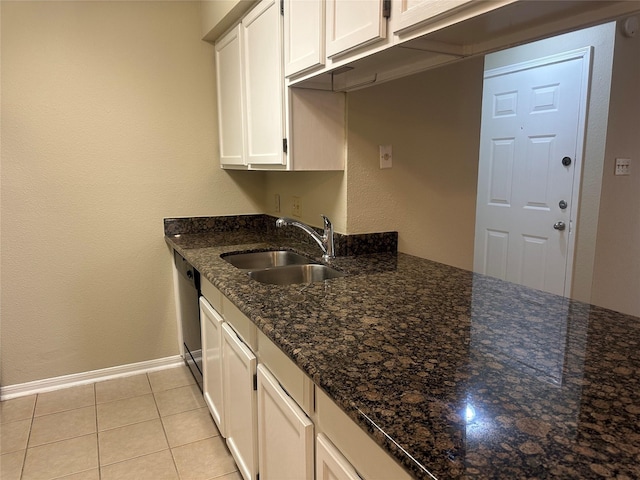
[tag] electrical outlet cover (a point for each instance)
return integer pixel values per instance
(296, 207)
(623, 166)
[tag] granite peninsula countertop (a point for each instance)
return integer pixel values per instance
(455, 374)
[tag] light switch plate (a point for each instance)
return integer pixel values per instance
(385, 156)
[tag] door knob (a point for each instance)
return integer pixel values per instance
(559, 226)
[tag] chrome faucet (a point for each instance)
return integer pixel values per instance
(325, 241)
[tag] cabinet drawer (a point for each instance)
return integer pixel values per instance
(298, 385)
(367, 457)
(211, 293)
(240, 323)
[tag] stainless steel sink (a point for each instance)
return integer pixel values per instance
(281, 267)
(261, 260)
(292, 274)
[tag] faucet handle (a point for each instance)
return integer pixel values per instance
(328, 238)
(327, 222)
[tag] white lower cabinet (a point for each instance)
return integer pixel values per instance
(211, 323)
(285, 433)
(330, 463)
(270, 412)
(239, 369)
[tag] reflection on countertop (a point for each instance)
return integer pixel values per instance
(455, 374)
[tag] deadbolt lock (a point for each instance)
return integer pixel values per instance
(566, 161)
(562, 204)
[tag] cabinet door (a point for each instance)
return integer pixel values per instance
(211, 323)
(285, 433)
(330, 463)
(229, 78)
(264, 84)
(353, 23)
(411, 13)
(239, 369)
(303, 35)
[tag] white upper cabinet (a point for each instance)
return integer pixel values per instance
(353, 23)
(250, 90)
(303, 35)
(409, 13)
(229, 80)
(262, 124)
(264, 84)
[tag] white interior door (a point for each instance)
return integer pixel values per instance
(531, 141)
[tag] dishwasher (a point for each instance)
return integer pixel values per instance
(189, 311)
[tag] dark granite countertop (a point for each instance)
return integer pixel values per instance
(455, 374)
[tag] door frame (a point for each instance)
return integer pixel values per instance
(584, 54)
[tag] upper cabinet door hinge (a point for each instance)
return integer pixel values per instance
(386, 8)
(284, 145)
(282, 7)
(255, 381)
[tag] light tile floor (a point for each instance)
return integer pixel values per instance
(153, 426)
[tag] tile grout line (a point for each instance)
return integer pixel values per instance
(95, 409)
(26, 447)
(164, 430)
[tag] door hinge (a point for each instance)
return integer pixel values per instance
(386, 8)
(255, 381)
(284, 145)
(282, 7)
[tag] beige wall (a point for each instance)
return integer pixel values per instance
(616, 282)
(320, 193)
(428, 196)
(108, 126)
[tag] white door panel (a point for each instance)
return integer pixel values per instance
(240, 401)
(285, 433)
(263, 84)
(353, 23)
(211, 323)
(330, 463)
(532, 117)
(230, 84)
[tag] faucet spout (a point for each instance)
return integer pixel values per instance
(325, 241)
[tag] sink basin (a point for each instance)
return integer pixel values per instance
(295, 274)
(261, 260)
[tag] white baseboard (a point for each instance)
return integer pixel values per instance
(65, 381)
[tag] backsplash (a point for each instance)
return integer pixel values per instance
(186, 225)
(345, 245)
